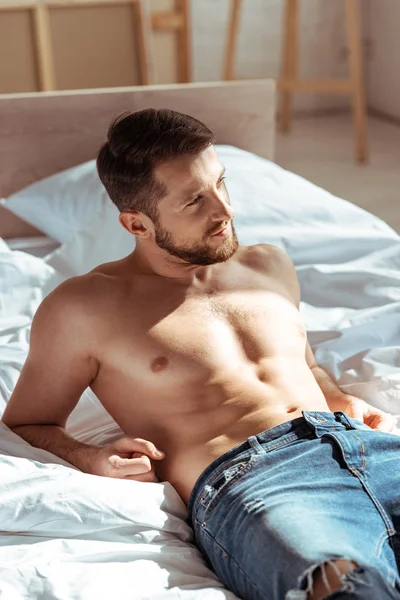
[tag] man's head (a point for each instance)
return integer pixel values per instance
(161, 170)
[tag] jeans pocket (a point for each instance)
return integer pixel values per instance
(223, 480)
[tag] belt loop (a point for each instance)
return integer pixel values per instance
(254, 443)
(344, 419)
(319, 422)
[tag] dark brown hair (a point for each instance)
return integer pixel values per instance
(139, 141)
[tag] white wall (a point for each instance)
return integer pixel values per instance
(323, 40)
(384, 67)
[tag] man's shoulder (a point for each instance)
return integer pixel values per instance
(81, 295)
(266, 257)
(104, 279)
(275, 265)
(81, 287)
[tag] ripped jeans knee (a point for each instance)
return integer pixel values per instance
(333, 580)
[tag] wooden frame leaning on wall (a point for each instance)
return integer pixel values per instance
(144, 25)
(290, 82)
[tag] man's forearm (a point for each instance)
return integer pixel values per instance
(54, 439)
(334, 396)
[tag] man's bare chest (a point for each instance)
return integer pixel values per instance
(203, 332)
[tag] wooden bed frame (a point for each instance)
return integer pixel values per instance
(46, 132)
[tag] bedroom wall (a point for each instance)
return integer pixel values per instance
(384, 72)
(322, 43)
(93, 46)
(88, 61)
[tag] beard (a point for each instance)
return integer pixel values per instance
(200, 253)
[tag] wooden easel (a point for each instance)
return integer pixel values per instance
(176, 21)
(289, 81)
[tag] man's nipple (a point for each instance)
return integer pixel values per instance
(159, 364)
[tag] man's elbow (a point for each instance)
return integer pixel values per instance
(13, 424)
(9, 421)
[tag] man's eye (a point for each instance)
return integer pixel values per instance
(195, 201)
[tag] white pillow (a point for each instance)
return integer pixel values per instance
(61, 204)
(261, 192)
(24, 282)
(102, 240)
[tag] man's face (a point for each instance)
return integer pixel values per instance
(195, 208)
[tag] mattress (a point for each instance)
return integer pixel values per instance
(37, 246)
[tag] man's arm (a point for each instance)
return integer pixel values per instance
(336, 399)
(58, 369)
(61, 364)
(332, 392)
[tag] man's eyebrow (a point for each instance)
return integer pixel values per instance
(222, 173)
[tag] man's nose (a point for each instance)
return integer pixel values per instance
(221, 210)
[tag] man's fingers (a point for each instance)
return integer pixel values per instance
(130, 466)
(145, 478)
(381, 421)
(127, 444)
(385, 423)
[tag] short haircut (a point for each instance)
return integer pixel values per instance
(139, 141)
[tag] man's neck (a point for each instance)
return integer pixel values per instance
(156, 261)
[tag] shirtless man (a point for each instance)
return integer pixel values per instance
(195, 346)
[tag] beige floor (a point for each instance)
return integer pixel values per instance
(321, 150)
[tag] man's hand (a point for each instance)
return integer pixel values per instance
(358, 409)
(126, 458)
(338, 400)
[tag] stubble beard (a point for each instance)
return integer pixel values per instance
(201, 253)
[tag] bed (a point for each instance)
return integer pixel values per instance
(66, 535)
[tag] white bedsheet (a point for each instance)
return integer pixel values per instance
(67, 535)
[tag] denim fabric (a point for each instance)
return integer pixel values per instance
(274, 509)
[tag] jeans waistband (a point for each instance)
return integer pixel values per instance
(311, 420)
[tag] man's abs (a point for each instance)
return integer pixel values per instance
(253, 409)
(194, 426)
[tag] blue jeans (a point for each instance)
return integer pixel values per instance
(269, 514)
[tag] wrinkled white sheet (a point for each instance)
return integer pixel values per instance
(66, 535)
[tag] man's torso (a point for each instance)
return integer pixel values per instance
(197, 370)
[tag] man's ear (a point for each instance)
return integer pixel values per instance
(136, 223)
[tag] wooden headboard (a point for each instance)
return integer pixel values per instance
(46, 132)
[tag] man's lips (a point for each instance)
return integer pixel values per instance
(220, 230)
